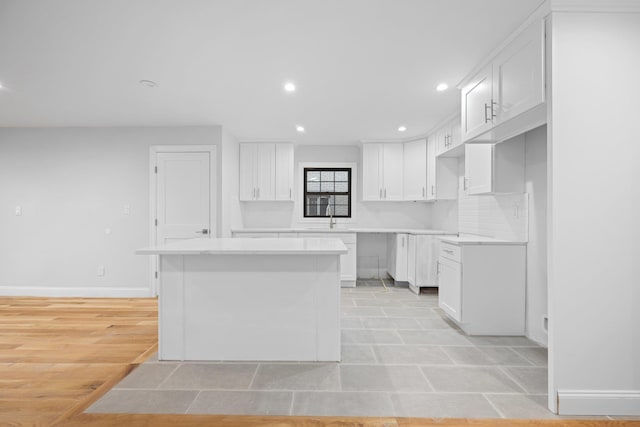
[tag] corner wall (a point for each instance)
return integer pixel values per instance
(594, 211)
(72, 185)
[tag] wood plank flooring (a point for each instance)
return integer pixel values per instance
(59, 355)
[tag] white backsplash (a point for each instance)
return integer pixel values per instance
(498, 216)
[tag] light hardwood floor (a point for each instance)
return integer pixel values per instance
(59, 355)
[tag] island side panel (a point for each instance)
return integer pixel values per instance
(171, 308)
(328, 310)
(260, 307)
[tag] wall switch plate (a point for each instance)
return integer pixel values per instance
(18, 210)
(101, 270)
(107, 231)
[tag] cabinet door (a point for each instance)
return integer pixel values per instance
(518, 74)
(411, 260)
(450, 288)
(431, 167)
(426, 260)
(392, 175)
(371, 171)
(266, 174)
(248, 155)
(478, 168)
(402, 257)
(415, 170)
(455, 134)
(284, 172)
(476, 104)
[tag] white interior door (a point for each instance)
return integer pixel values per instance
(183, 196)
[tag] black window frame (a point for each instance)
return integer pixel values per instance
(326, 193)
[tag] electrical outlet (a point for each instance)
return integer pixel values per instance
(18, 210)
(126, 209)
(101, 270)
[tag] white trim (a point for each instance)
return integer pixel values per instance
(599, 402)
(87, 292)
(299, 203)
(612, 6)
(213, 212)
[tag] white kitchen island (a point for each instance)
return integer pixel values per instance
(249, 299)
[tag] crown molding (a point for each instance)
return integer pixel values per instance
(594, 6)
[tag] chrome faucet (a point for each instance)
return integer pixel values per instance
(329, 213)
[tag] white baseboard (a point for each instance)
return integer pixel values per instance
(87, 292)
(599, 402)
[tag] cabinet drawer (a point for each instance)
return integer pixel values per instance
(256, 235)
(452, 252)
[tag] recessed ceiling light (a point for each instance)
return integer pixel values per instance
(442, 86)
(289, 87)
(300, 129)
(402, 128)
(148, 83)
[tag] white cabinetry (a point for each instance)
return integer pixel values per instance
(422, 261)
(284, 171)
(495, 168)
(449, 137)
(382, 171)
(512, 84)
(415, 170)
(442, 174)
(266, 171)
(397, 256)
(482, 287)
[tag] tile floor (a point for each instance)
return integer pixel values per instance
(401, 357)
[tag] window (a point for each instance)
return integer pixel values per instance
(327, 192)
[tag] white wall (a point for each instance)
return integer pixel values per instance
(594, 212)
(72, 185)
(368, 214)
(230, 214)
(536, 188)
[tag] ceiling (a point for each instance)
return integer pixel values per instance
(362, 67)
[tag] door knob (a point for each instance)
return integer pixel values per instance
(203, 231)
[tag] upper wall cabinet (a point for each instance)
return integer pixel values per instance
(442, 173)
(415, 170)
(512, 84)
(266, 171)
(449, 138)
(382, 174)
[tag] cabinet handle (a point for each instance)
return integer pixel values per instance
(493, 114)
(385, 193)
(258, 193)
(438, 267)
(403, 241)
(465, 181)
(254, 193)
(450, 252)
(381, 194)
(289, 193)
(486, 108)
(433, 190)
(422, 191)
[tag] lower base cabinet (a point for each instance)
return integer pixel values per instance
(482, 287)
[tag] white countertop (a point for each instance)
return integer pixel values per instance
(338, 230)
(248, 246)
(471, 239)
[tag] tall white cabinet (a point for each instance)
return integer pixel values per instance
(382, 171)
(266, 171)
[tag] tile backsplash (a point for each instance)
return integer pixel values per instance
(504, 216)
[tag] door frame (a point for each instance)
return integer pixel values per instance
(154, 150)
